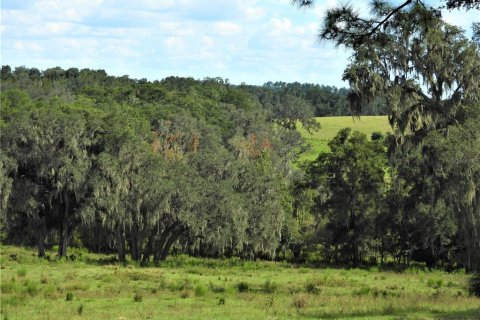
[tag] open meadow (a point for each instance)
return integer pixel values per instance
(318, 140)
(95, 287)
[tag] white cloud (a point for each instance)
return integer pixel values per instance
(174, 43)
(226, 28)
(245, 40)
(28, 46)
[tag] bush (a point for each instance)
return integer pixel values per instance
(216, 289)
(363, 291)
(269, 287)
(22, 272)
(186, 294)
(300, 301)
(31, 288)
(43, 279)
(474, 285)
(221, 301)
(435, 283)
(242, 286)
(200, 290)
(311, 287)
(9, 286)
(80, 310)
(376, 135)
(137, 297)
(69, 296)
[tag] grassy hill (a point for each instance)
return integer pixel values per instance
(331, 125)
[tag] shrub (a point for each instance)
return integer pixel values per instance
(376, 135)
(200, 290)
(311, 287)
(216, 289)
(137, 297)
(31, 288)
(43, 279)
(80, 310)
(435, 283)
(69, 296)
(186, 294)
(242, 286)
(221, 301)
(363, 291)
(474, 285)
(269, 287)
(9, 287)
(22, 272)
(300, 301)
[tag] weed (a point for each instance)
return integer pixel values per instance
(138, 297)
(69, 296)
(31, 288)
(70, 276)
(216, 289)
(389, 310)
(43, 279)
(435, 283)
(221, 301)
(80, 310)
(186, 294)
(474, 285)
(200, 290)
(269, 287)
(9, 287)
(311, 287)
(22, 272)
(242, 286)
(300, 301)
(269, 302)
(363, 291)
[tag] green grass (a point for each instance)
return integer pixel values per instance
(192, 288)
(331, 125)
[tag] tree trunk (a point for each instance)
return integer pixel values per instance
(41, 247)
(62, 246)
(170, 242)
(134, 252)
(148, 250)
(40, 234)
(159, 246)
(120, 243)
(354, 242)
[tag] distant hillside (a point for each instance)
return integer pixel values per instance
(331, 125)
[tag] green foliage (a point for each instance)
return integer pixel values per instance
(242, 286)
(80, 310)
(300, 301)
(200, 290)
(349, 183)
(22, 272)
(69, 296)
(269, 286)
(138, 297)
(474, 285)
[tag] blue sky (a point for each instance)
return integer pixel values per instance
(248, 41)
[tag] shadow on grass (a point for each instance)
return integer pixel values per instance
(469, 314)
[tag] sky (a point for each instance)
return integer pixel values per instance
(251, 41)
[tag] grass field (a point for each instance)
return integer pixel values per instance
(94, 287)
(331, 125)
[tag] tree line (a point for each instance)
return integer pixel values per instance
(208, 168)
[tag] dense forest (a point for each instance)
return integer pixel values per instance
(208, 168)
